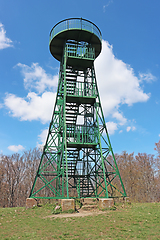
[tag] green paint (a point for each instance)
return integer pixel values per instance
(78, 159)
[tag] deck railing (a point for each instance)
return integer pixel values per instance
(81, 134)
(75, 23)
(81, 89)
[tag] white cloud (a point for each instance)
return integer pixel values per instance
(4, 41)
(111, 127)
(15, 148)
(119, 116)
(133, 128)
(42, 138)
(38, 104)
(148, 77)
(117, 81)
(34, 107)
(105, 6)
(118, 84)
(129, 128)
(35, 77)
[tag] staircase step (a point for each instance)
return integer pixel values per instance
(71, 108)
(71, 116)
(89, 201)
(71, 78)
(89, 207)
(70, 122)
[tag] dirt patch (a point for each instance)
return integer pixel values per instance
(81, 213)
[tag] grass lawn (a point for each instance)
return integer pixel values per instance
(135, 221)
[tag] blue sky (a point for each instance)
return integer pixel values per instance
(128, 70)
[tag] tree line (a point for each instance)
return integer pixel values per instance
(140, 175)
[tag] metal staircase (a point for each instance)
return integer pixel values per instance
(76, 156)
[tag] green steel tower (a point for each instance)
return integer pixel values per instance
(77, 160)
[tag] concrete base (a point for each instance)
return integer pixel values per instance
(59, 201)
(67, 204)
(105, 203)
(46, 201)
(89, 201)
(31, 202)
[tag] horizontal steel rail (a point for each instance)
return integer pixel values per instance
(81, 134)
(81, 89)
(75, 23)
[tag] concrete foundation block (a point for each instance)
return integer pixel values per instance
(67, 204)
(105, 203)
(89, 201)
(59, 201)
(31, 202)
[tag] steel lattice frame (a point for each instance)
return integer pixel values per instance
(77, 160)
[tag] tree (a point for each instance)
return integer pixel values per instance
(157, 148)
(140, 175)
(128, 171)
(3, 195)
(145, 176)
(17, 174)
(157, 168)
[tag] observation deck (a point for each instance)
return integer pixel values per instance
(77, 29)
(81, 136)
